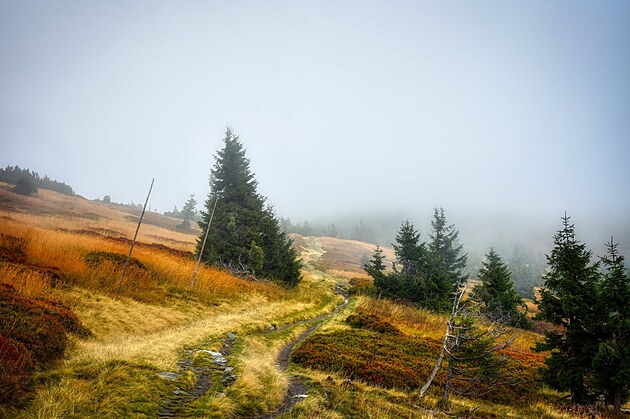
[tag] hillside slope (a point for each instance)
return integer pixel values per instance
(153, 339)
(341, 257)
(161, 348)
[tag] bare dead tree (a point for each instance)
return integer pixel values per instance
(473, 353)
(471, 343)
(461, 289)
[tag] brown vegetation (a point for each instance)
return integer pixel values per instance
(32, 333)
(72, 250)
(342, 256)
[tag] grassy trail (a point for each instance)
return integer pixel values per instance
(247, 376)
(164, 349)
(297, 390)
(156, 345)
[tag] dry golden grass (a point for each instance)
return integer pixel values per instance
(158, 341)
(136, 340)
(147, 338)
(167, 270)
(114, 372)
(53, 211)
(156, 316)
(332, 396)
(29, 282)
(261, 386)
(532, 307)
(409, 319)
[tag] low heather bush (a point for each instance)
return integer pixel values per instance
(32, 333)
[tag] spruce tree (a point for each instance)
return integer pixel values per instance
(445, 247)
(569, 300)
(410, 252)
(188, 212)
(418, 275)
(376, 264)
(375, 267)
(496, 293)
(411, 256)
(612, 360)
(280, 259)
(243, 232)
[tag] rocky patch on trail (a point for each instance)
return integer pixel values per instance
(208, 367)
(212, 368)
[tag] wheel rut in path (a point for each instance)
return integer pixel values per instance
(297, 390)
(206, 374)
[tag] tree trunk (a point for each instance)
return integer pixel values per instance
(447, 386)
(617, 401)
(447, 335)
(438, 364)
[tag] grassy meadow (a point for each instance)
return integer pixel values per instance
(61, 247)
(72, 250)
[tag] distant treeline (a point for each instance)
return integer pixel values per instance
(306, 229)
(13, 174)
(526, 265)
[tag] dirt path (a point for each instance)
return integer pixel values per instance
(215, 369)
(297, 390)
(206, 373)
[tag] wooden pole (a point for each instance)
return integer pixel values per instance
(133, 243)
(203, 245)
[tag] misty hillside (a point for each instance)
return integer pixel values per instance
(307, 209)
(178, 351)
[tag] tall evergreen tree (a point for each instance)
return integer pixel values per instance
(375, 267)
(243, 232)
(569, 300)
(416, 277)
(496, 293)
(445, 246)
(410, 251)
(612, 361)
(376, 264)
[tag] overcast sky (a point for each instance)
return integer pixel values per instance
(478, 106)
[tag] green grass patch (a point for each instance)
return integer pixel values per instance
(119, 389)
